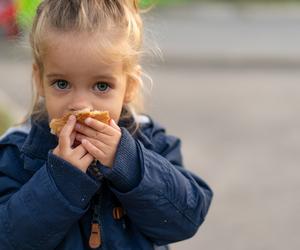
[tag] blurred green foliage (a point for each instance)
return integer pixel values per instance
(25, 11)
(5, 120)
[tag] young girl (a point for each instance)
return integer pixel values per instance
(124, 185)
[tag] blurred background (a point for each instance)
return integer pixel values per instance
(227, 84)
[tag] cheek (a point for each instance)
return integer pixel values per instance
(113, 106)
(55, 106)
(118, 109)
(51, 109)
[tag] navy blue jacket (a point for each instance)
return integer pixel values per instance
(45, 201)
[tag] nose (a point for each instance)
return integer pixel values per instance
(79, 101)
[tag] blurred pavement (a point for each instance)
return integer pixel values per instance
(229, 87)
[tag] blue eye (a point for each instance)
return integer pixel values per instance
(61, 84)
(102, 86)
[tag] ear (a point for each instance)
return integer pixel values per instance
(132, 87)
(38, 80)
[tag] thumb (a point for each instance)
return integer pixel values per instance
(114, 125)
(65, 134)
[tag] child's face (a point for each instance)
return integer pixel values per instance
(75, 77)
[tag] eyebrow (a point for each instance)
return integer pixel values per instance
(108, 77)
(54, 75)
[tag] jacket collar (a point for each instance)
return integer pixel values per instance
(38, 143)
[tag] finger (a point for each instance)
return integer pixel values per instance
(65, 134)
(98, 144)
(80, 151)
(99, 126)
(93, 150)
(87, 160)
(92, 133)
(113, 124)
(73, 137)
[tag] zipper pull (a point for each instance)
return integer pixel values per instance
(95, 237)
(118, 213)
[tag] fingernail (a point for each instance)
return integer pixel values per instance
(113, 121)
(87, 120)
(78, 126)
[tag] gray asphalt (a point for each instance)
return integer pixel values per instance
(229, 87)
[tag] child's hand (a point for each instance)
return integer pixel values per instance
(78, 157)
(100, 140)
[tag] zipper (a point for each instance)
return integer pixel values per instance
(95, 239)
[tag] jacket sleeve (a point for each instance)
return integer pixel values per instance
(37, 213)
(167, 202)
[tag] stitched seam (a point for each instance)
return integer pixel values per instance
(180, 211)
(160, 191)
(174, 204)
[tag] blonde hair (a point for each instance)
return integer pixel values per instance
(120, 17)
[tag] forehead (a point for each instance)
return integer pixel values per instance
(80, 52)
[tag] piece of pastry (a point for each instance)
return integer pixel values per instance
(57, 124)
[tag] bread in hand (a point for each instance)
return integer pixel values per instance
(57, 124)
